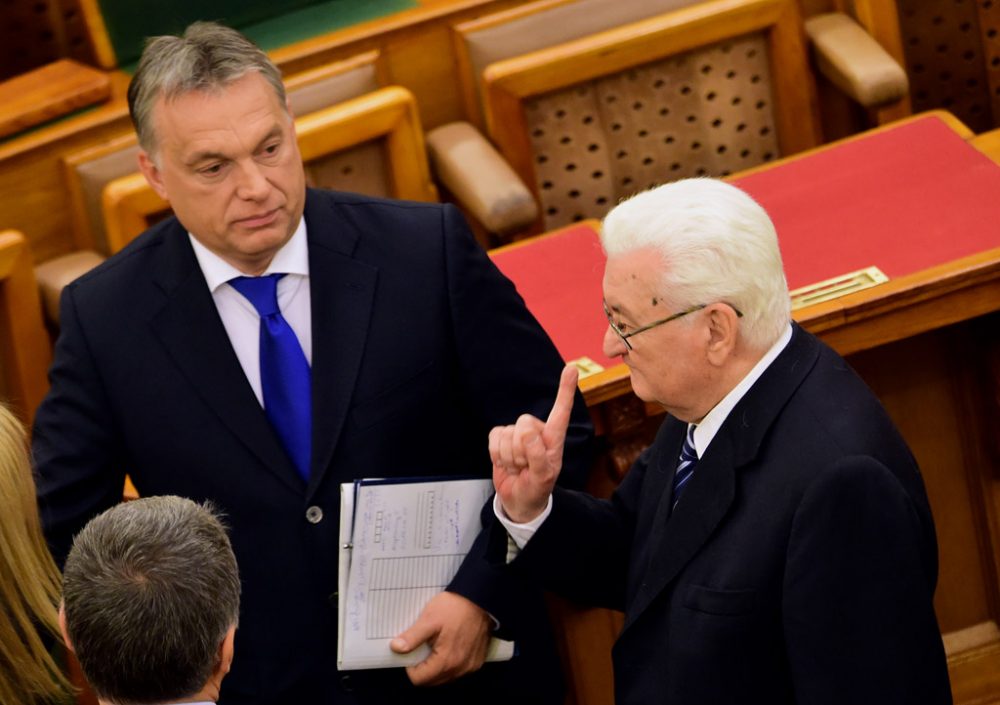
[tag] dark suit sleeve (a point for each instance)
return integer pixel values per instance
(857, 607)
(583, 549)
(79, 466)
(509, 367)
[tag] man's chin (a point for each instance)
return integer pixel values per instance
(639, 387)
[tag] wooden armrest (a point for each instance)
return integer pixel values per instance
(469, 166)
(854, 61)
(49, 92)
(56, 273)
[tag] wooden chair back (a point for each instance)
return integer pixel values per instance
(329, 139)
(25, 348)
(536, 25)
(950, 48)
(709, 89)
(115, 30)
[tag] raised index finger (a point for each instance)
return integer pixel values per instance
(562, 409)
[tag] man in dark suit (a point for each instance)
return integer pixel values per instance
(151, 598)
(774, 544)
(271, 342)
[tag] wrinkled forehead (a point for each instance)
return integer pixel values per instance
(244, 105)
(634, 279)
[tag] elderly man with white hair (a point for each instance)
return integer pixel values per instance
(775, 544)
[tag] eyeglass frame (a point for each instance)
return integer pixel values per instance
(625, 336)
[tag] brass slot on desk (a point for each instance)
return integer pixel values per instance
(586, 366)
(837, 287)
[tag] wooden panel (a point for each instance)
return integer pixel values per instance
(945, 60)
(31, 35)
(25, 349)
(49, 92)
(948, 417)
(31, 172)
(914, 381)
(423, 63)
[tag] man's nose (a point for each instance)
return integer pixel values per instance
(613, 344)
(253, 185)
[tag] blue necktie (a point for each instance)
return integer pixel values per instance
(284, 371)
(685, 467)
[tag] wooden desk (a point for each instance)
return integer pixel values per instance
(917, 199)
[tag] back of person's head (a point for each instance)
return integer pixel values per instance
(150, 592)
(208, 56)
(716, 244)
(29, 581)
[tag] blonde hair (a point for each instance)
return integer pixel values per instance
(29, 581)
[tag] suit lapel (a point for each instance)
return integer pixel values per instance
(342, 292)
(675, 537)
(189, 328)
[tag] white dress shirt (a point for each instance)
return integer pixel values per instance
(704, 432)
(240, 318)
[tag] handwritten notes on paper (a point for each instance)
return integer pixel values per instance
(402, 543)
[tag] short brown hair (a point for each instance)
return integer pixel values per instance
(208, 56)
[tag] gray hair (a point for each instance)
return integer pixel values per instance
(150, 590)
(717, 244)
(208, 56)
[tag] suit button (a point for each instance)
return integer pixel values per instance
(314, 515)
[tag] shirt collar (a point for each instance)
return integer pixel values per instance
(706, 429)
(292, 258)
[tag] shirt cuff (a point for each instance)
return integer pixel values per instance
(519, 534)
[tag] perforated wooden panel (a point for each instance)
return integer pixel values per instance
(77, 41)
(36, 32)
(953, 57)
(707, 112)
(989, 31)
(28, 35)
(361, 169)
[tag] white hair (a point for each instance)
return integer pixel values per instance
(717, 245)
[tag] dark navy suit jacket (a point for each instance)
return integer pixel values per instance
(798, 566)
(420, 346)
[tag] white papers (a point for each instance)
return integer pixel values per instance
(401, 544)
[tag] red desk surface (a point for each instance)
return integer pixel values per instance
(559, 276)
(903, 199)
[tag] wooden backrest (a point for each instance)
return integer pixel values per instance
(950, 48)
(536, 25)
(25, 348)
(117, 29)
(329, 141)
(708, 89)
(87, 172)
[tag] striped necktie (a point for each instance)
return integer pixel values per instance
(284, 371)
(685, 466)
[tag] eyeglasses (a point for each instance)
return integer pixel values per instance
(623, 336)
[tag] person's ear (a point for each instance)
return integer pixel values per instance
(63, 628)
(723, 332)
(152, 173)
(226, 650)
